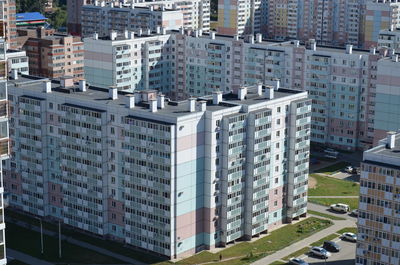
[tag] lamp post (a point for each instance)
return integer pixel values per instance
(41, 234)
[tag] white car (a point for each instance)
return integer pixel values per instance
(354, 213)
(349, 169)
(340, 207)
(349, 236)
(297, 261)
(320, 252)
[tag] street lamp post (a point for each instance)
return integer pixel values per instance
(41, 234)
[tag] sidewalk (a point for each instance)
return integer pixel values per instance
(337, 225)
(350, 197)
(26, 258)
(81, 244)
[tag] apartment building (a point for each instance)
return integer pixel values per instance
(4, 141)
(131, 61)
(239, 17)
(74, 15)
(8, 22)
(196, 13)
(379, 15)
(389, 38)
(170, 177)
(17, 60)
(386, 103)
(102, 18)
(378, 240)
(55, 56)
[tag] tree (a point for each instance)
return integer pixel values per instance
(58, 18)
(24, 6)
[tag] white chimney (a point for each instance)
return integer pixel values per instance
(269, 92)
(200, 32)
(113, 35)
(391, 27)
(96, 36)
(148, 32)
(259, 37)
(259, 89)
(140, 32)
(395, 58)
(113, 93)
(130, 101)
(192, 104)
(202, 105)
(126, 34)
(276, 83)
(373, 50)
(313, 45)
(82, 85)
(349, 49)
(131, 35)
(391, 140)
(153, 105)
(236, 37)
(164, 31)
(212, 35)
(196, 33)
(14, 74)
(47, 86)
(158, 29)
(112, 4)
(242, 93)
(217, 97)
(161, 101)
(296, 43)
(182, 30)
(250, 39)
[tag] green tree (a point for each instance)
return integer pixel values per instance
(58, 18)
(24, 6)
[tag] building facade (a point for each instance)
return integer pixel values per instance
(8, 22)
(17, 60)
(74, 15)
(171, 177)
(389, 38)
(55, 56)
(102, 18)
(378, 239)
(379, 15)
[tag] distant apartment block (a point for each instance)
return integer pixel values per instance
(24, 33)
(102, 18)
(131, 62)
(18, 61)
(341, 82)
(196, 13)
(8, 22)
(239, 17)
(379, 15)
(389, 38)
(55, 56)
(170, 177)
(74, 14)
(378, 239)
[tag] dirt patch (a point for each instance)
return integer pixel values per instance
(312, 182)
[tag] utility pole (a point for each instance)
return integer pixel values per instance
(59, 239)
(41, 235)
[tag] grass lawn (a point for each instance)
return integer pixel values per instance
(297, 253)
(352, 202)
(348, 229)
(28, 242)
(278, 263)
(333, 168)
(332, 217)
(327, 186)
(16, 262)
(269, 244)
(327, 238)
(94, 240)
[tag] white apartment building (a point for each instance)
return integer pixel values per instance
(170, 177)
(17, 60)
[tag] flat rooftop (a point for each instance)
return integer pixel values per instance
(101, 96)
(383, 155)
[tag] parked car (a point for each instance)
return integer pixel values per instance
(349, 169)
(320, 252)
(340, 207)
(331, 246)
(331, 151)
(297, 261)
(349, 237)
(354, 213)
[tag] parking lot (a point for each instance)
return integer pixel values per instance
(346, 255)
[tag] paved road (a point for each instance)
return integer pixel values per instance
(25, 258)
(324, 209)
(305, 242)
(346, 256)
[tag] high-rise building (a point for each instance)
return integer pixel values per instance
(17, 60)
(379, 15)
(378, 239)
(171, 177)
(239, 17)
(102, 18)
(74, 15)
(8, 22)
(55, 56)
(389, 38)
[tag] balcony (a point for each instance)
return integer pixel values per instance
(3, 108)
(4, 147)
